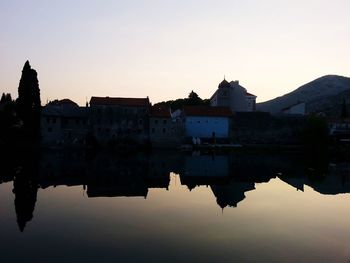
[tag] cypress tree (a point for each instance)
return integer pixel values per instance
(28, 102)
(8, 97)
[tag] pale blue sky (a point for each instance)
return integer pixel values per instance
(165, 49)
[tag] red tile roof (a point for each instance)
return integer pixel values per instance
(137, 102)
(207, 111)
(160, 111)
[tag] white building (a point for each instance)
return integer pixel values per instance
(251, 101)
(206, 122)
(234, 96)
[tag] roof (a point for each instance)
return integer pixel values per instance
(249, 94)
(161, 111)
(67, 102)
(207, 111)
(70, 112)
(135, 102)
(64, 102)
(224, 84)
(338, 120)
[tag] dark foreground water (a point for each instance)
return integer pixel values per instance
(173, 207)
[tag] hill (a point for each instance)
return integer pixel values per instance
(324, 94)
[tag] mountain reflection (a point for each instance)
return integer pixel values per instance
(105, 174)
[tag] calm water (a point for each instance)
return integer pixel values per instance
(173, 207)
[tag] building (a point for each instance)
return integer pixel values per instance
(234, 96)
(339, 128)
(251, 101)
(206, 122)
(63, 122)
(115, 119)
(295, 109)
(163, 129)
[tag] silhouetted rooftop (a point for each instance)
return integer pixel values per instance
(138, 102)
(161, 111)
(250, 94)
(224, 84)
(207, 111)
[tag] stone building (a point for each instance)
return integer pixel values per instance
(234, 96)
(164, 130)
(115, 119)
(63, 122)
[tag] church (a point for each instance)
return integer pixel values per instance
(234, 96)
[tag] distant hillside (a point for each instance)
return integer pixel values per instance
(324, 94)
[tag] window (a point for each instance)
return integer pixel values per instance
(153, 130)
(77, 121)
(140, 121)
(48, 120)
(155, 121)
(164, 130)
(49, 129)
(164, 121)
(53, 120)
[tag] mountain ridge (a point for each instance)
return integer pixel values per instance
(316, 94)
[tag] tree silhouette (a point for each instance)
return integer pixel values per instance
(8, 97)
(28, 102)
(192, 99)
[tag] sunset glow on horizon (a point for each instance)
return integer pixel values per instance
(165, 49)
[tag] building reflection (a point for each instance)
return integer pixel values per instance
(335, 181)
(105, 174)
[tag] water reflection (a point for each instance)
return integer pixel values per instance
(105, 174)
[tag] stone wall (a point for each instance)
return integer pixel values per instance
(262, 128)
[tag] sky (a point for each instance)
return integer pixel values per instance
(165, 49)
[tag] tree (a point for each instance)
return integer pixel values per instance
(344, 111)
(5, 97)
(28, 102)
(8, 97)
(192, 99)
